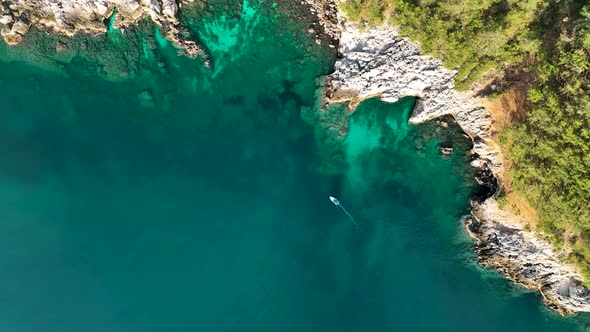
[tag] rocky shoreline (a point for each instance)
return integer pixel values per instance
(374, 61)
(377, 61)
(90, 16)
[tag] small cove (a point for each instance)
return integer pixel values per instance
(143, 191)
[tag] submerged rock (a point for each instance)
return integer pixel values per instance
(376, 61)
(146, 98)
(92, 17)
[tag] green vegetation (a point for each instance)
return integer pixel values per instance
(501, 201)
(472, 35)
(551, 149)
(551, 146)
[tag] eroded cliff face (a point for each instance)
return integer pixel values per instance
(378, 62)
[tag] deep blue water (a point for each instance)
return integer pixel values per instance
(142, 191)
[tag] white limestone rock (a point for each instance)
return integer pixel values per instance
(5, 19)
(527, 259)
(69, 17)
(378, 62)
(73, 16)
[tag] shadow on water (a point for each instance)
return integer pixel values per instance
(145, 192)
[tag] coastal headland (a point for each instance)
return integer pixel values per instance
(373, 62)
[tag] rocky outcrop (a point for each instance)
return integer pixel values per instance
(327, 13)
(378, 62)
(374, 62)
(92, 16)
(89, 16)
(503, 243)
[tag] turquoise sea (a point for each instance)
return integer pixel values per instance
(143, 191)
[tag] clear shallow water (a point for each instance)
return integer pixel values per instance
(186, 199)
